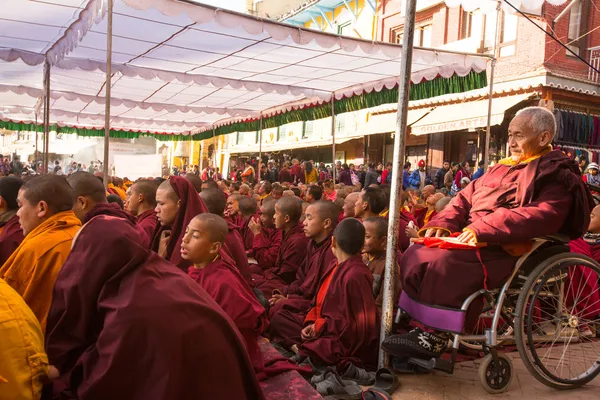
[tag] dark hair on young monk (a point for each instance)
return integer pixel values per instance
(291, 206)
(247, 205)
(147, 189)
(210, 184)
(350, 236)
(268, 187)
(54, 190)
(381, 225)
(113, 198)
(376, 199)
(214, 200)
(268, 207)
(85, 184)
(296, 191)
(316, 192)
(195, 181)
(9, 190)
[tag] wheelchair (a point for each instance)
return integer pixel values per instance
(545, 310)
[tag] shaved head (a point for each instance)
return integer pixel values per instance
(85, 184)
(380, 224)
(215, 201)
(195, 181)
(54, 190)
(147, 189)
(288, 193)
(168, 189)
(268, 208)
(247, 205)
(215, 225)
(327, 210)
(291, 206)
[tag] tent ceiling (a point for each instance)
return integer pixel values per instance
(179, 66)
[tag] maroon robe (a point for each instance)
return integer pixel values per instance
(287, 315)
(420, 215)
(113, 210)
(229, 289)
(403, 239)
(265, 249)
(234, 248)
(247, 234)
(119, 309)
(506, 205)
(583, 291)
(349, 328)
(290, 257)
(148, 221)
(10, 238)
(190, 206)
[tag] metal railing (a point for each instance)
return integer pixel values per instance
(593, 75)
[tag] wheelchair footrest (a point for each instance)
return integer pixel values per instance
(433, 363)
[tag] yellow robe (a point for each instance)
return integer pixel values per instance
(23, 362)
(122, 194)
(32, 269)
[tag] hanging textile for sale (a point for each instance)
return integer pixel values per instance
(577, 128)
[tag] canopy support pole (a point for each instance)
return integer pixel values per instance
(46, 142)
(107, 89)
(488, 131)
(35, 159)
(391, 266)
(333, 167)
(260, 129)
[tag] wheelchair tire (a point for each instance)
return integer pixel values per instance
(528, 321)
(496, 380)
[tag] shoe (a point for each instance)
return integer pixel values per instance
(333, 385)
(416, 343)
(359, 375)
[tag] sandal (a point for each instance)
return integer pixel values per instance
(386, 380)
(335, 388)
(375, 394)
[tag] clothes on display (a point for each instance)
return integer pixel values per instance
(577, 128)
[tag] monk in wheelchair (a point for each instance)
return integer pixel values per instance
(536, 192)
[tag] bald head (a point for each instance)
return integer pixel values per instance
(215, 225)
(349, 203)
(290, 206)
(428, 190)
(380, 226)
(87, 185)
(248, 206)
(141, 197)
(195, 181)
(167, 190)
(326, 210)
(268, 208)
(288, 193)
(215, 201)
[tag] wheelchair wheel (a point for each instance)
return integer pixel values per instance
(505, 327)
(556, 311)
(495, 378)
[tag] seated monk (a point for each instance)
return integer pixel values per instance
(290, 305)
(115, 188)
(88, 193)
(232, 209)
(49, 225)
(342, 329)
(141, 204)
(292, 251)
(349, 204)
(195, 181)
(125, 324)
(11, 234)
(23, 365)
(176, 204)
(369, 203)
(248, 208)
(535, 192)
(266, 238)
(424, 215)
(202, 245)
(214, 199)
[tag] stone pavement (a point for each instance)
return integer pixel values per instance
(464, 385)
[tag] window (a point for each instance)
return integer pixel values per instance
(466, 24)
(423, 35)
(508, 34)
(574, 29)
(308, 129)
(345, 29)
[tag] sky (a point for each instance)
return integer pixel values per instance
(236, 5)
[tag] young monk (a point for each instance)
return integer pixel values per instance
(292, 251)
(248, 208)
(341, 330)
(266, 238)
(370, 203)
(11, 234)
(232, 209)
(374, 257)
(141, 204)
(115, 188)
(290, 305)
(90, 201)
(49, 225)
(177, 202)
(126, 324)
(314, 193)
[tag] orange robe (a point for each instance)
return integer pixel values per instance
(33, 267)
(122, 194)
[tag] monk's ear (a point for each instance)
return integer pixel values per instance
(333, 243)
(328, 223)
(216, 247)
(545, 138)
(178, 203)
(383, 241)
(43, 211)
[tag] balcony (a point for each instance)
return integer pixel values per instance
(593, 75)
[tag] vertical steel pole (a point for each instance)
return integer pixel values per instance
(391, 266)
(260, 129)
(488, 131)
(107, 89)
(333, 169)
(46, 143)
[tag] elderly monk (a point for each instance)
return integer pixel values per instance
(24, 366)
(290, 305)
(535, 192)
(89, 201)
(214, 199)
(292, 251)
(177, 202)
(266, 238)
(49, 225)
(349, 204)
(125, 324)
(141, 204)
(11, 234)
(424, 215)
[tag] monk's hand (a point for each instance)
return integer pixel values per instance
(275, 299)
(53, 374)
(411, 232)
(308, 332)
(435, 232)
(165, 236)
(254, 226)
(467, 237)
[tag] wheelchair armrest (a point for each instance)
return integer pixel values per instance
(558, 238)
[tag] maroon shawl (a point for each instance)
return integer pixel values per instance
(190, 206)
(583, 292)
(10, 238)
(118, 308)
(148, 221)
(317, 262)
(265, 247)
(234, 248)
(291, 254)
(113, 210)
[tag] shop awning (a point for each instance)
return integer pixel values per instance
(468, 115)
(386, 123)
(290, 145)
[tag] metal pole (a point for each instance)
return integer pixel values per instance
(333, 169)
(107, 89)
(46, 144)
(488, 131)
(391, 266)
(260, 129)
(35, 159)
